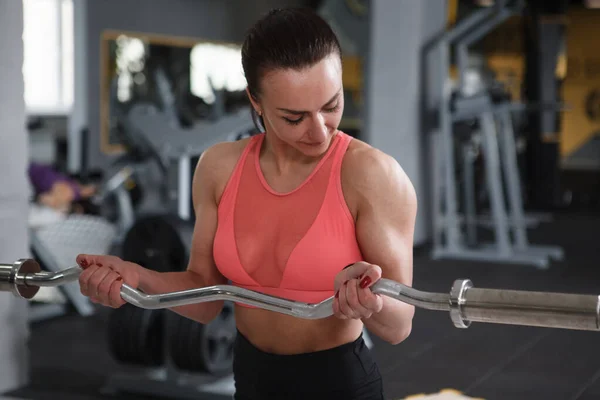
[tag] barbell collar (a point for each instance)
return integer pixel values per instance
(457, 300)
(12, 277)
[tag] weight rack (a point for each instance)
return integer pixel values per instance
(454, 235)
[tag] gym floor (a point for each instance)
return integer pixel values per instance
(69, 357)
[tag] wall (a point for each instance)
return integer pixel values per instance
(225, 20)
(14, 194)
(399, 30)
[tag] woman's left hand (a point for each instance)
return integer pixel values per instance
(353, 296)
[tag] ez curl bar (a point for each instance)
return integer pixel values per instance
(465, 303)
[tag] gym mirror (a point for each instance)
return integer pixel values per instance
(187, 79)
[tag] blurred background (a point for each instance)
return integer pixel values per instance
(491, 107)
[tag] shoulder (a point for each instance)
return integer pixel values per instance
(216, 164)
(372, 176)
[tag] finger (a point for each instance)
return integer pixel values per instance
(351, 272)
(336, 307)
(105, 285)
(87, 260)
(370, 276)
(352, 294)
(84, 278)
(115, 299)
(373, 302)
(344, 305)
(95, 281)
(359, 310)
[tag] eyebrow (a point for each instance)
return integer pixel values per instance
(298, 112)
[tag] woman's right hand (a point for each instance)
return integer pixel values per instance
(103, 276)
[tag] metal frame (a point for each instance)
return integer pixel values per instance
(510, 225)
(71, 290)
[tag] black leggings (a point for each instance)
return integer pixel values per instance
(346, 372)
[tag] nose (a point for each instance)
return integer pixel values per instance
(318, 132)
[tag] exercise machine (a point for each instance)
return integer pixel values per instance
(175, 356)
(54, 245)
(455, 235)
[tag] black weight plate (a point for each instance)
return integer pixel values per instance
(119, 338)
(140, 332)
(173, 326)
(178, 342)
(158, 242)
(155, 345)
(150, 337)
(137, 331)
(131, 333)
(186, 335)
(114, 334)
(194, 353)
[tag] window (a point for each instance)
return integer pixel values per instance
(48, 68)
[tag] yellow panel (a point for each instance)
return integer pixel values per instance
(581, 79)
(352, 73)
(577, 127)
(452, 7)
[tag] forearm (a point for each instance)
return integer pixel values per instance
(153, 282)
(393, 323)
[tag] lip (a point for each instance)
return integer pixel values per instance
(313, 144)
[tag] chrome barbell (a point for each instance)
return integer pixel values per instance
(465, 303)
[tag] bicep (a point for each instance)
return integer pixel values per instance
(385, 223)
(205, 207)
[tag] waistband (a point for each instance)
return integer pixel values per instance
(244, 345)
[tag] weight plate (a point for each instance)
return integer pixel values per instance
(114, 334)
(131, 325)
(158, 242)
(119, 343)
(207, 348)
(194, 353)
(196, 347)
(216, 342)
(150, 334)
(178, 346)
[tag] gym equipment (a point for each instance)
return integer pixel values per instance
(158, 242)
(161, 157)
(465, 303)
(55, 244)
(492, 114)
(180, 146)
(135, 336)
(204, 348)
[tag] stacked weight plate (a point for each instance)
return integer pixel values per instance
(196, 347)
(136, 336)
(159, 243)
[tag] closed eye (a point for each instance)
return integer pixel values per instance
(293, 121)
(300, 119)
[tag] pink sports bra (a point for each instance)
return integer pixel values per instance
(289, 245)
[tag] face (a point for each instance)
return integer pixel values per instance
(303, 108)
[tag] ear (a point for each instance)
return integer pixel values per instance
(253, 102)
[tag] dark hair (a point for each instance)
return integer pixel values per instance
(293, 38)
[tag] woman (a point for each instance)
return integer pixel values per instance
(302, 211)
(55, 190)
